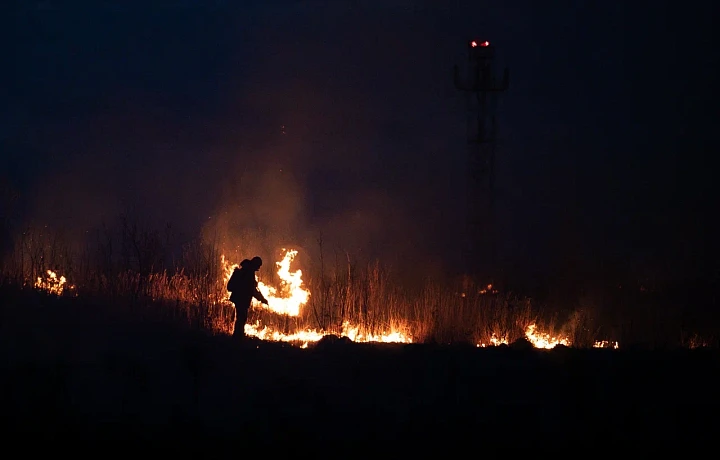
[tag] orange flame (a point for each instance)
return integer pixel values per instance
(538, 340)
(286, 300)
(313, 335)
(494, 341)
(606, 344)
(292, 293)
(541, 340)
(53, 284)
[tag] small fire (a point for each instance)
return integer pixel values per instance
(313, 335)
(53, 284)
(266, 333)
(227, 273)
(606, 344)
(494, 341)
(354, 334)
(286, 300)
(540, 340)
(546, 341)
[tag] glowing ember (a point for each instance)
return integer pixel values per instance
(606, 344)
(540, 340)
(313, 335)
(286, 300)
(488, 290)
(53, 284)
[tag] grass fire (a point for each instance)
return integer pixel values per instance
(291, 317)
(360, 346)
(282, 227)
(52, 283)
(288, 299)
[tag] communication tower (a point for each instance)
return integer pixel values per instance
(481, 88)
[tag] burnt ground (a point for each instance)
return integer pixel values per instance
(76, 381)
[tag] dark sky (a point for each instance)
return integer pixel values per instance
(176, 112)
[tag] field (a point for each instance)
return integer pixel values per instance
(480, 231)
(74, 372)
(123, 351)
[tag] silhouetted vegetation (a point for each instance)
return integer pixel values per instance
(138, 349)
(136, 268)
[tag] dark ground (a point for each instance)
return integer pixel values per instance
(76, 375)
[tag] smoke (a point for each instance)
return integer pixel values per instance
(262, 207)
(283, 125)
(292, 130)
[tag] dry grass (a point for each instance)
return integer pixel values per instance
(364, 296)
(133, 268)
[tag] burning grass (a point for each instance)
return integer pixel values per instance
(360, 302)
(53, 283)
(288, 299)
(363, 308)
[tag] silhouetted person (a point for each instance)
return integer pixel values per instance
(243, 287)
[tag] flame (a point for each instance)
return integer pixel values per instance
(494, 341)
(227, 268)
(540, 340)
(267, 333)
(546, 341)
(53, 284)
(313, 335)
(286, 300)
(354, 334)
(292, 294)
(606, 344)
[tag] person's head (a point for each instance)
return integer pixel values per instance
(256, 263)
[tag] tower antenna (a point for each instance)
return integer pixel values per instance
(481, 88)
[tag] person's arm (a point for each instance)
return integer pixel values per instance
(258, 295)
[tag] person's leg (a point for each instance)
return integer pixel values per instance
(241, 315)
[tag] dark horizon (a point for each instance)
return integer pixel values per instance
(341, 118)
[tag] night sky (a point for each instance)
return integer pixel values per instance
(341, 117)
